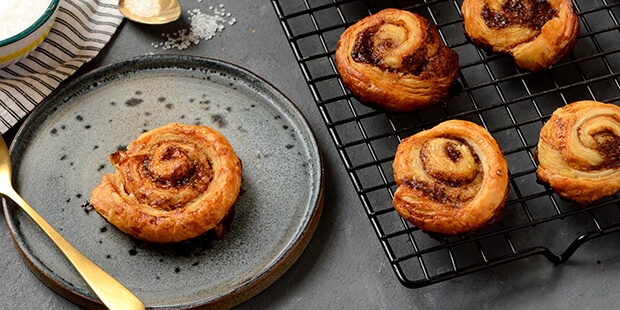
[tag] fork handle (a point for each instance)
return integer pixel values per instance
(112, 293)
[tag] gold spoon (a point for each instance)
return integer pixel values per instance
(113, 294)
(152, 12)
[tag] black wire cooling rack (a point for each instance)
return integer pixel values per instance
(512, 104)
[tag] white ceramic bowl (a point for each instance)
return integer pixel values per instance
(14, 48)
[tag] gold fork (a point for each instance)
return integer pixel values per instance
(113, 294)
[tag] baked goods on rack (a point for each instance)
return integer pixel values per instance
(579, 151)
(173, 183)
(394, 60)
(537, 33)
(451, 179)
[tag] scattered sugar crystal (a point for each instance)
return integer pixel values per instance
(202, 27)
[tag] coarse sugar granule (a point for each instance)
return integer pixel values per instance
(203, 26)
(143, 8)
(17, 15)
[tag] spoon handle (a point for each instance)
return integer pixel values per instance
(113, 294)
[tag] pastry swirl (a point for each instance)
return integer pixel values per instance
(173, 183)
(451, 179)
(537, 33)
(394, 60)
(579, 151)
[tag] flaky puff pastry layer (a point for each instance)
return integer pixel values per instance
(579, 151)
(394, 60)
(537, 33)
(173, 183)
(451, 179)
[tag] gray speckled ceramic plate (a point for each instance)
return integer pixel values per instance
(61, 153)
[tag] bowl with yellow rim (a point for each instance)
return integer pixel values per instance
(19, 45)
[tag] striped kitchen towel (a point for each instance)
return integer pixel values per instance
(82, 28)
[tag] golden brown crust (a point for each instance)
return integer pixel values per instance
(395, 60)
(451, 179)
(537, 33)
(173, 183)
(579, 151)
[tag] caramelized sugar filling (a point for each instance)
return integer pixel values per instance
(533, 14)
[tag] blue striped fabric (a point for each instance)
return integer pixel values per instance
(81, 30)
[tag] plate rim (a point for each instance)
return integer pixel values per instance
(248, 289)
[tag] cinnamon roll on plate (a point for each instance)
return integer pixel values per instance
(537, 33)
(173, 183)
(451, 179)
(579, 151)
(394, 60)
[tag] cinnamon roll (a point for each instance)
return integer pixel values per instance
(537, 33)
(173, 183)
(579, 151)
(451, 179)
(394, 60)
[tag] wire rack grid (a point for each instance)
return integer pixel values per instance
(511, 103)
